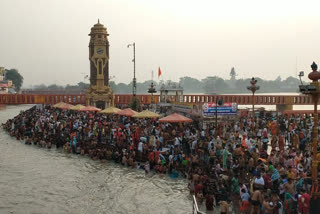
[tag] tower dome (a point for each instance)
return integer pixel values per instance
(98, 29)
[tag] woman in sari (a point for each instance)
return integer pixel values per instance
(287, 204)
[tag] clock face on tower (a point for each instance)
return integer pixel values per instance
(100, 51)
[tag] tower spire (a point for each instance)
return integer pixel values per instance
(98, 21)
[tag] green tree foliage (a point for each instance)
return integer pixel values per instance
(135, 105)
(55, 87)
(191, 85)
(212, 85)
(208, 85)
(16, 77)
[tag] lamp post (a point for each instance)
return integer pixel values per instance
(253, 88)
(219, 102)
(134, 89)
(216, 114)
(152, 90)
(314, 91)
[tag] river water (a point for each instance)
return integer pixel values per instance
(37, 180)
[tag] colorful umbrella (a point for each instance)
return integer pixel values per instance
(175, 118)
(127, 112)
(77, 107)
(59, 104)
(110, 110)
(65, 106)
(146, 114)
(90, 108)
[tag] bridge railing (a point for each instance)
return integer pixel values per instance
(247, 99)
(15, 99)
(146, 99)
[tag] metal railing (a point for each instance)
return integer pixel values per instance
(195, 208)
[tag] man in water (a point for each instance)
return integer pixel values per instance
(224, 207)
(256, 201)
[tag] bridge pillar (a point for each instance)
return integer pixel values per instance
(283, 107)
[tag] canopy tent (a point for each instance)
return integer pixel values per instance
(127, 112)
(90, 108)
(110, 110)
(59, 104)
(146, 114)
(65, 106)
(175, 118)
(77, 107)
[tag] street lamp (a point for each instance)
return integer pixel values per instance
(313, 90)
(152, 90)
(219, 102)
(253, 88)
(134, 89)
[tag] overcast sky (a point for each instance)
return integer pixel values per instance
(47, 41)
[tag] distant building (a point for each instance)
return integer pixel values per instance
(171, 92)
(6, 86)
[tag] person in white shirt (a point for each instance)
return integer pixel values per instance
(140, 146)
(259, 181)
(194, 143)
(176, 141)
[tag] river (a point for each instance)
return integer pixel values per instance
(37, 180)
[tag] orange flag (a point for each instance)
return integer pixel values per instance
(159, 72)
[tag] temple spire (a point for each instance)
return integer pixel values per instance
(98, 21)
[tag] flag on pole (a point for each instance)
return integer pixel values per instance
(159, 72)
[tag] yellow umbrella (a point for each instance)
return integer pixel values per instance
(146, 114)
(59, 104)
(77, 107)
(65, 106)
(110, 110)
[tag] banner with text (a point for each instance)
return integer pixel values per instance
(209, 109)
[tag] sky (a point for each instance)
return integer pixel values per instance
(47, 41)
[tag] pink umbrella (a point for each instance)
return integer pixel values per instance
(90, 108)
(175, 118)
(127, 112)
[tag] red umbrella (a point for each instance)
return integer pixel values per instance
(90, 108)
(127, 112)
(175, 118)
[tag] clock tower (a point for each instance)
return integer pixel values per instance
(99, 93)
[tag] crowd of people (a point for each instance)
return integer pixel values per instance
(249, 166)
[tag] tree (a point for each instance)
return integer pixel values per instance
(54, 87)
(16, 78)
(190, 84)
(214, 85)
(83, 86)
(135, 104)
(113, 85)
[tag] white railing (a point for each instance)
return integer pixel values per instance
(195, 207)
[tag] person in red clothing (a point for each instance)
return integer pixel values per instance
(304, 203)
(209, 202)
(267, 181)
(198, 188)
(151, 159)
(281, 143)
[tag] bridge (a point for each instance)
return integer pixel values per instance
(283, 102)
